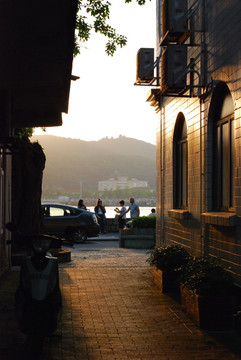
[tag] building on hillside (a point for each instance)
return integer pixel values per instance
(121, 183)
(198, 98)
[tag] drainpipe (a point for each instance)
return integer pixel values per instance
(201, 182)
(162, 175)
(203, 81)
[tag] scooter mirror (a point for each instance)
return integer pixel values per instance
(10, 226)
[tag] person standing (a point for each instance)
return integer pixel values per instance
(100, 213)
(133, 208)
(81, 204)
(153, 212)
(122, 214)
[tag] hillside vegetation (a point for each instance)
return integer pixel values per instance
(71, 161)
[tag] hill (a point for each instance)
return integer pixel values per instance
(71, 161)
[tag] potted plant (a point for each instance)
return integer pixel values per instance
(237, 321)
(206, 293)
(166, 262)
(144, 222)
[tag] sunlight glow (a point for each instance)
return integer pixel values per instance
(104, 102)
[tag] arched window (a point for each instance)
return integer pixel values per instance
(180, 163)
(223, 154)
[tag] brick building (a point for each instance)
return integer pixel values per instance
(198, 97)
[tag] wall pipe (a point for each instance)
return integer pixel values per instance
(203, 60)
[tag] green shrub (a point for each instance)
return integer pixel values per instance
(168, 258)
(205, 276)
(144, 222)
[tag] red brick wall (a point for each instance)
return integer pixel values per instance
(222, 62)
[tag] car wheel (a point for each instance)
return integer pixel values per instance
(79, 236)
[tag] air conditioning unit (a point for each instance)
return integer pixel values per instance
(145, 65)
(173, 68)
(174, 21)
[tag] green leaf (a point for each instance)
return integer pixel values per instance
(98, 13)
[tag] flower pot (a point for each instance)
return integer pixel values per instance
(137, 238)
(208, 312)
(63, 255)
(167, 281)
(237, 326)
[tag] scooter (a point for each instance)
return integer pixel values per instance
(38, 298)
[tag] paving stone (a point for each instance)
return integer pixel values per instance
(112, 310)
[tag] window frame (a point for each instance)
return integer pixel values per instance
(180, 164)
(219, 203)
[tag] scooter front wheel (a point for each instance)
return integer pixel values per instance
(35, 343)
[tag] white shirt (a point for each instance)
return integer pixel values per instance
(122, 211)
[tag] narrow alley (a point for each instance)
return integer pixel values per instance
(113, 311)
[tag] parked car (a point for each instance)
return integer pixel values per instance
(69, 222)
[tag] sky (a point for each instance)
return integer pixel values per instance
(104, 102)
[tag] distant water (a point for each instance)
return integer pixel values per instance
(110, 213)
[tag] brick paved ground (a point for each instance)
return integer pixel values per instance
(113, 311)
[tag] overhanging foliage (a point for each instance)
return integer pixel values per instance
(93, 15)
